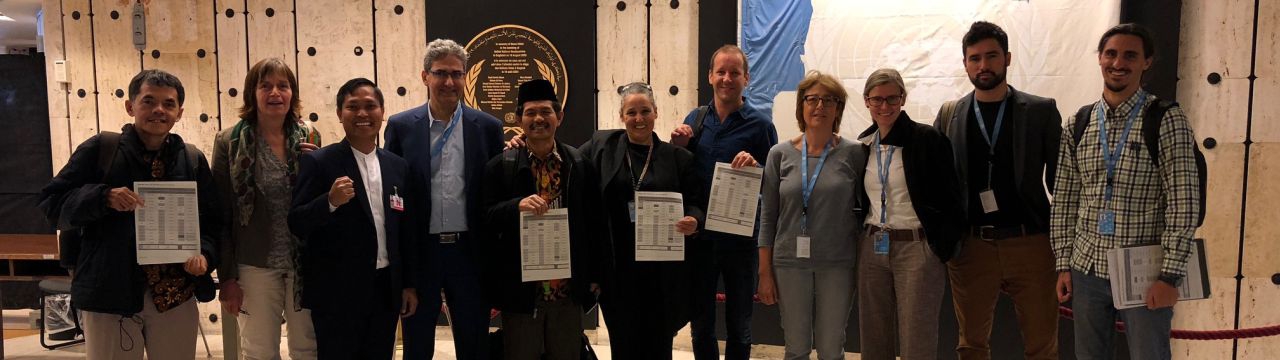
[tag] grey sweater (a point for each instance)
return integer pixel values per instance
(834, 206)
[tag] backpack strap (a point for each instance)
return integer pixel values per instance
(1151, 128)
(509, 163)
(1077, 128)
(948, 113)
(697, 126)
(108, 143)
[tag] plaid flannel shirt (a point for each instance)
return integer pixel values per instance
(1152, 205)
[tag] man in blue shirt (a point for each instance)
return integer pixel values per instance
(726, 130)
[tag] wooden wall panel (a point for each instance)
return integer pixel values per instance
(232, 57)
(621, 53)
(341, 33)
(82, 104)
(1215, 313)
(1216, 110)
(674, 46)
(117, 60)
(1260, 222)
(1266, 110)
(1221, 34)
(402, 43)
(1258, 309)
(271, 31)
(180, 40)
(59, 122)
(1221, 230)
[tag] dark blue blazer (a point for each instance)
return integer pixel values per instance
(341, 247)
(408, 135)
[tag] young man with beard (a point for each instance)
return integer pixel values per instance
(1111, 193)
(1006, 145)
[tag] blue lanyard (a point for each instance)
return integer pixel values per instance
(883, 173)
(448, 130)
(1112, 157)
(807, 183)
(995, 135)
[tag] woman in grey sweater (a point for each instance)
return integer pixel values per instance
(809, 223)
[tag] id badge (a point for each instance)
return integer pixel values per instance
(631, 210)
(1107, 222)
(803, 244)
(397, 203)
(882, 243)
(988, 198)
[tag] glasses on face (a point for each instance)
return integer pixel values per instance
(891, 100)
(442, 74)
(815, 100)
(626, 87)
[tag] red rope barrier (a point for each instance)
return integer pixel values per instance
(1249, 333)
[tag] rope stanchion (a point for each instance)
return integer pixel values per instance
(1249, 333)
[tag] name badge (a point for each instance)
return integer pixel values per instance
(397, 203)
(881, 245)
(988, 198)
(1107, 222)
(803, 244)
(631, 210)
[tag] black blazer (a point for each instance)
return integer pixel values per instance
(341, 247)
(510, 180)
(1036, 127)
(931, 181)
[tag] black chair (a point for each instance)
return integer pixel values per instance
(69, 337)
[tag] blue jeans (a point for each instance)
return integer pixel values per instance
(739, 270)
(452, 271)
(1095, 317)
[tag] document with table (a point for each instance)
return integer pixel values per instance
(544, 246)
(1134, 269)
(735, 198)
(656, 217)
(168, 223)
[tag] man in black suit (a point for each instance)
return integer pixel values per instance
(349, 208)
(1006, 144)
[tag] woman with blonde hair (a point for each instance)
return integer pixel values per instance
(255, 162)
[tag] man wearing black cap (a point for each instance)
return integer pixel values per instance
(542, 318)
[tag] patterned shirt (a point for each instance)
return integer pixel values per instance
(548, 182)
(1152, 205)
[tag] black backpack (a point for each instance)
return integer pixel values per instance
(1151, 136)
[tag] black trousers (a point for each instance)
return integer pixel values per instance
(367, 332)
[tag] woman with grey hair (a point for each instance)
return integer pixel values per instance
(644, 302)
(912, 229)
(809, 223)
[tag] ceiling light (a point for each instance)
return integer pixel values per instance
(4, 17)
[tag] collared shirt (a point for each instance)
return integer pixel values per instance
(548, 182)
(448, 177)
(1152, 205)
(747, 129)
(901, 213)
(371, 173)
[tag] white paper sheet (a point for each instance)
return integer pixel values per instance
(656, 235)
(735, 198)
(168, 225)
(1134, 269)
(544, 246)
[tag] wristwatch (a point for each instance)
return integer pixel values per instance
(1171, 279)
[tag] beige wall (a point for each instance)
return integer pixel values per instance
(101, 58)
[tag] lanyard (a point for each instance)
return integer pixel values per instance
(993, 137)
(807, 183)
(883, 173)
(436, 150)
(635, 183)
(1112, 157)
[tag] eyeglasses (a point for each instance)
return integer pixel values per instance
(634, 85)
(815, 100)
(891, 100)
(441, 74)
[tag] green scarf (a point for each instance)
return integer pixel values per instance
(244, 153)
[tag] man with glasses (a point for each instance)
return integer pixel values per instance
(731, 131)
(447, 144)
(1006, 145)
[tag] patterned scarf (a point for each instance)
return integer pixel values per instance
(244, 153)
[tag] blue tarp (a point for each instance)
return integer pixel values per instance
(773, 35)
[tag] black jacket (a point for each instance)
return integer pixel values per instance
(340, 256)
(1036, 127)
(108, 278)
(509, 180)
(929, 166)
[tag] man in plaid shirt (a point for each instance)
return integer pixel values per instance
(1110, 194)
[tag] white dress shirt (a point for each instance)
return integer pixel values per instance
(371, 172)
(901, 214)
